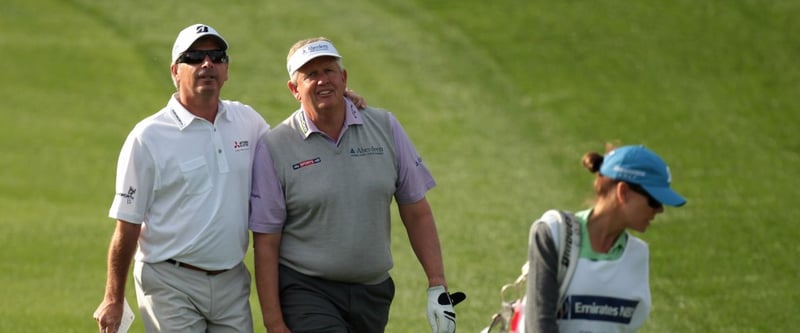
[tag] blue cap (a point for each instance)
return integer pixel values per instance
(638, 165)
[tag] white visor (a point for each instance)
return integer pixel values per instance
(303, 55)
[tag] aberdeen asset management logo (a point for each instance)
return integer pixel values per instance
(364, 151)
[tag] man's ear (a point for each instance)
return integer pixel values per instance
(173, 69)
(293, 88)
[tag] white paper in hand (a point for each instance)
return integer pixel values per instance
(127, 318)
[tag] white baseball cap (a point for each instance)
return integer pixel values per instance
(308, 52)
(191, 34)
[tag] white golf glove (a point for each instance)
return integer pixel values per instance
(441, 314)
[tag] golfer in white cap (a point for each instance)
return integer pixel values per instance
(181, 203)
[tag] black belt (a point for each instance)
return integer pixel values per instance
(185, 265)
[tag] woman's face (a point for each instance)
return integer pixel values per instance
(639, 207)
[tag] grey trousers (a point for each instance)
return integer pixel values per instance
(316, 305)
(178, 299)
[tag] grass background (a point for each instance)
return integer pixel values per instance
(501, 98)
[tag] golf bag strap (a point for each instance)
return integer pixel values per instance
(569, 240)
(566, 231)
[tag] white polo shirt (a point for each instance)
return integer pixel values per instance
(187, 182)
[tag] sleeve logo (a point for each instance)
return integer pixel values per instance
(128, 196)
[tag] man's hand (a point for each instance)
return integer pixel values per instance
(441, 314)
(359, 101)
(108, 316)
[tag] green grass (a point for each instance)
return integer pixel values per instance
(501, 98)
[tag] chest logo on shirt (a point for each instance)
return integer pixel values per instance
(303, 164)
(241, 145)
(128, 196)
(599, 308)
(365, 151)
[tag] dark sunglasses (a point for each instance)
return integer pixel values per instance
(197, 56)
(652, 202)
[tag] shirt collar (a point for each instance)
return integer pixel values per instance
(183, 117)
(586, 246)
(351, 117)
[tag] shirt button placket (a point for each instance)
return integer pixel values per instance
(222, 161)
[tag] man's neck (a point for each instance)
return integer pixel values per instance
(201, 106)
(329, 121)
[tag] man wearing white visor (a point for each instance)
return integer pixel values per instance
(322, 191)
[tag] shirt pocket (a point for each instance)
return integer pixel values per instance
(196, 177)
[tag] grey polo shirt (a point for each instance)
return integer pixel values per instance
(331, 200)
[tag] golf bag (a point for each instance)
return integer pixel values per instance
(567, 235)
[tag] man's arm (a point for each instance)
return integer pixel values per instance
(265, 249)
(120, 255)
(267, 215)
(421, 228)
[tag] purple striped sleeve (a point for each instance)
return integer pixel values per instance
(267, 204)
(414, 179)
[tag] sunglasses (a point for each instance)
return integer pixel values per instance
(198, 56)
(652, 202)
